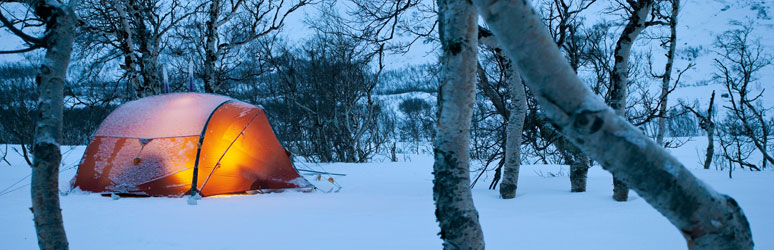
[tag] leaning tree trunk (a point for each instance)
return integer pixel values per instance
(667, 77)
(707, 219)
(620, 76)
(60, 27)
(455, 212)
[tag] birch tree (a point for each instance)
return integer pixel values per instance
(707, 123)
(455, 212)
(667, 76)
(515, 126)
(59, 22)
(636, 22)
(231, 24)
(562, 17)
(741, 60)
(706, 218)
(127, 45)
(513, 117)
(137, 31)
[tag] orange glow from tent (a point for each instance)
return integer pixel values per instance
(236, 139)
(221, 138)
(149, 147)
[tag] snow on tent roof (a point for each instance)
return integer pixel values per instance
(170, 115)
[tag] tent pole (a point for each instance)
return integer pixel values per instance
(194, 189)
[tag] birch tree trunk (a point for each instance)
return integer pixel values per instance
(210, 53)
(706, 123)
(578, 162)
(60, 27)
(667, 77)
(148, 49)
(127, 44)
(709, 127)
(455, 212)
(620, 76)
(514, 117)
(149, 71)
(510, 178)
(707, 219)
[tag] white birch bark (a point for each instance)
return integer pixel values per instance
(127, 45)
(667, 72)
(211, 54)
(47, 215)
(573, 157)
(455, 212)
(707, 219)
(620, 76)
(510, 178)
(148, 45)
(578, 162)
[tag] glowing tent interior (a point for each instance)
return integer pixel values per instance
(169, 145)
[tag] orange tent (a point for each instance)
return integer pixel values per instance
(169, 145)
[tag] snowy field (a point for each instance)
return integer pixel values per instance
(381, 206)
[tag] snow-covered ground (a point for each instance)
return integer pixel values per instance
(382, 205)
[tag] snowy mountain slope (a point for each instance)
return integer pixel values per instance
(702, 21)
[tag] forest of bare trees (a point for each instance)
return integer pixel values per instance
(535, 83)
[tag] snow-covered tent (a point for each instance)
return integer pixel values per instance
(164, 145)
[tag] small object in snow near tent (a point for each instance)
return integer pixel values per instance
(319, 177)
(330, 179)
(192, 201)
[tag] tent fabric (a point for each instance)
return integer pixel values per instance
(179, 114)
(156, 145)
